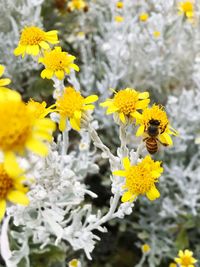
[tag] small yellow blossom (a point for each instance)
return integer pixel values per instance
(156, 34)
(186, 8)
(140, 179)
(20, 130)
(145, 248)
(144, 17)
(185, 259)
(119, 4)
(11, 188)
(126, 103)
(76, 5)
(4, 81)
(57, 63)
(74, 263)
(71, 106)
(156, 113)
(33, 39)
(39, 110)
(172, 264)
(119, 19)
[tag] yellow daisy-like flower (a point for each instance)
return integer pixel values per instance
(140, 179)
(57, 63)
(20, 130)
(11, 189)
(71, 106)
(126, 103)
(40, 110)
(74, 263)
(143, 17)
(156, 113)
(119, 19)
(119, 4)
(186, 8)
(185, 259)
(145, 248)
(76, 5)
(4, 81)
(33, 39)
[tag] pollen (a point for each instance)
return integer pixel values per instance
(125, 100)
(15, 126)
(6, 183)
(32, 36)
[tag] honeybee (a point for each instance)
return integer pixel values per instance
(153, 130)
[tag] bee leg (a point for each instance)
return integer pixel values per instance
(164, 144)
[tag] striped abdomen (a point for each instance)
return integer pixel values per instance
(151, 145)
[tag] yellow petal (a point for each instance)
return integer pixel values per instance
(60, 74)
(126, 163)
(2, 208)
(77, 114)
(45, 124)
(142, 104)
(62, 123)
(20, 50)
(119, 173)
(37, 147)
(107, 103)
(112, 109)
(46, 73)
(153, 193)
(42, 135)
(122, 117)
(143, 95)
(140, 130)
(33, 50)
(44, 45)
(75, 124)
(136, 115)
(10, 164)
(18, 197)
(2, 69)
(4, 82)
(74, 66)
(89, 107)
(166, 139)
(127, 196)
(90, 99)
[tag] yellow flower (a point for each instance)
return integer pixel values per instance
(172, 264)
(71, 106)
(57, 63)
(11, 189)
(144, 17)
(186, 8)
(5, 81)
(156, 113)
(126, 103)
(119, 4)
(185, 259)
(145, 248)
(140, 179)
(119, 19)
(74, 263)
(156, 34)
(20, 130)
(33, 39)
(76, 4)
(39, 110)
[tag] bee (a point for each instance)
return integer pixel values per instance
(153, 131)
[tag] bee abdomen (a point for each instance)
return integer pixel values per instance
(151, 145)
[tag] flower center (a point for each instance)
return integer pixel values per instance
(15, 125)
(186, 260)
(125, 100)
(187, 7)
(32, 36)
(139, 180)
(56, 60)
(6, 183)
(70, 102)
